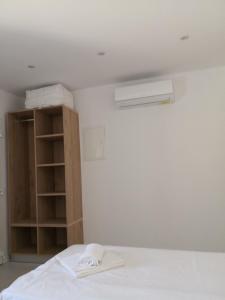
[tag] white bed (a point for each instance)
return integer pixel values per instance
(148, 274)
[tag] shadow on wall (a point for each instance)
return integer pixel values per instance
(180, 88)
(53, 56)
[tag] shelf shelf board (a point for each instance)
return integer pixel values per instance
(50, 194)
(51, 165)
(59, 222)
(25, 223)
(50, 137)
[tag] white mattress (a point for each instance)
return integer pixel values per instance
(148, 274)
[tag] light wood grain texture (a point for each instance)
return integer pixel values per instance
(75, 233)
(35, 172)
(51, 180)
(51, 194)
(50, 151)
(50, 165)
(25, 223)
(72, 165)
(50, 137)
(52, 240)
(49, 121)
(21, 166)
(52, 210)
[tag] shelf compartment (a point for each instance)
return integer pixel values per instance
(49, 121)
(50, 151)
(51, 180)
(24, 240)
(52, 211)
(21, 164)
(52, 240)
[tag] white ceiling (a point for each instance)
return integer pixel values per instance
(140, 37)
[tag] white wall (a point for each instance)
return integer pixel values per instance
(162, 183)
(8, 102)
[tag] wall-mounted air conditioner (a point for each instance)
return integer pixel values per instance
(146, 93)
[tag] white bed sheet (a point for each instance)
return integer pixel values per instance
(148, 274)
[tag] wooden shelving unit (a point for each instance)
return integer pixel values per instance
(44, 182)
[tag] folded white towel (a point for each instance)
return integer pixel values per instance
(72, 264)
(92, 255)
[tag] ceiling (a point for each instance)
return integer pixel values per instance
(140, 38)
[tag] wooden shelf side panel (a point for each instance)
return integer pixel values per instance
(75, 233)
(72, 165)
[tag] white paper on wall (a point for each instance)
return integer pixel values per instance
(93, 143)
